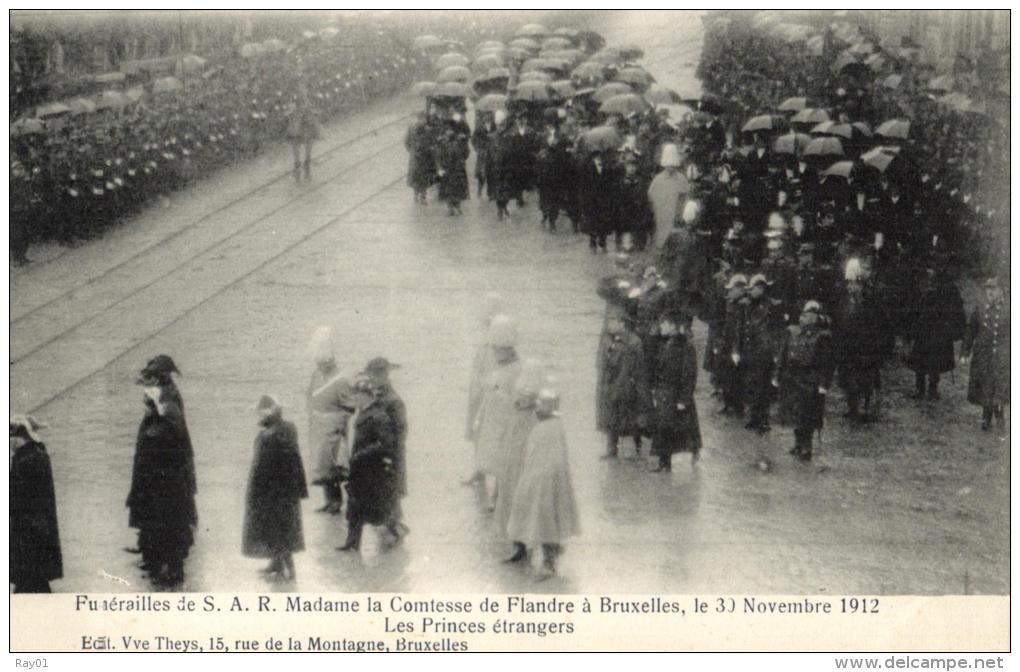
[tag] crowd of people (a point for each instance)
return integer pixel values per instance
(79, 169)
(357, 438)
(812, 219)
(809, 240)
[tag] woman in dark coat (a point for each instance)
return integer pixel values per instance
(676, 428)
(936, 319)
(162, 497)
(451, 158)
(421, 167)
(373, 483)
(986, 344)
(276, 486)
(35, 557)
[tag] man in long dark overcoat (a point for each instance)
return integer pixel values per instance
(675, 421)
(162, 496)
(276, 486)
(623, 396)
(372, 487)
(35, 557)
(803, 375)
(936, 319)
(987, 345)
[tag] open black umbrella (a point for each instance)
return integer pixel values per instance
(601, 138)
(607, 91)
(791, 143)
(763, 122)
(793, 104)
(894, 128)
(532, 91)
(880, 158)
(824, 147)
(810, 115)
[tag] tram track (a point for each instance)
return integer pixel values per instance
(22, 330)
(140, 341)
(318, 160)
(96, 315)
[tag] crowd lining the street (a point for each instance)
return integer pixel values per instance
(807, 230)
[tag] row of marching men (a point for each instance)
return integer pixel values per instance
(520, 449)
(72, 175)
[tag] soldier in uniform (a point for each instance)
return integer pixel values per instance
(372, 486)
(713, 313)
(859, 354)
(302, 132)
(754, 348)
(330, 407)
(732, 370)
(378, 371)
(803, 376)
(624, 389)
(986, 345)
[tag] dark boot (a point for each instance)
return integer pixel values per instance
(174, 575)
(853, 404)
(918, 386)
(869, 411)
(308, 168)
(520, 554)
(664, 464)
(612, 447)
(273, 567)
(549, 555)
(297, 171)
(353, 542)
(986, 418)
(806, 448)
(933, 386)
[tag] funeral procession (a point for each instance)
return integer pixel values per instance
(535, 301)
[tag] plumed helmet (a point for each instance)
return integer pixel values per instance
(502, 332)
(776, 222)
(854, 271)
(737, 279)
(690, 212)
(812, 307)
(670, 156)
(320, 346)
